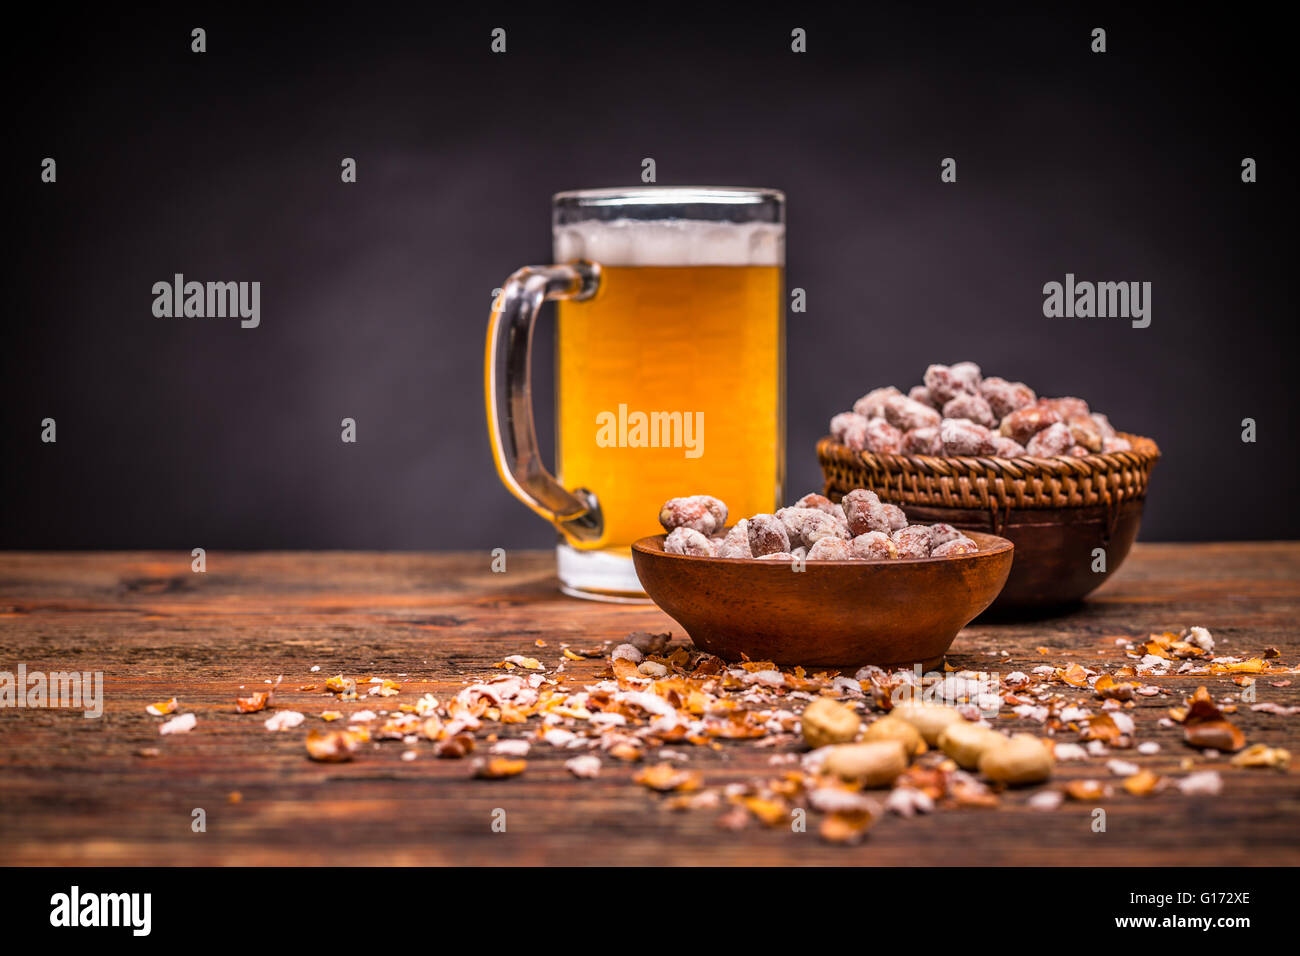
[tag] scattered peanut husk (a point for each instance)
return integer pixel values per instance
(258, 701)
(845, 828)
(1205, 726)
(767, 811)
(453, 748)
(332, 746)
(495, 768)
(665, 777)
(1262, 755)
(1108, 688)
(648, 700)
(1085, 790)
(1142, 783)
(1102, 727)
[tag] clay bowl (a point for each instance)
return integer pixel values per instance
(833, 613)
(1055, 551)
(1057, 511)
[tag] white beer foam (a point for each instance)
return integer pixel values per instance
(672, 242)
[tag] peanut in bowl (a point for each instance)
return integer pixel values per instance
(893, 612)
(1058, 511)
(986, 454)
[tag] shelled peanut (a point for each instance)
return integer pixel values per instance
(960, 412)
(860, 527)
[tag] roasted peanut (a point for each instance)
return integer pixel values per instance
(872, 404)
(1006, 397)
(861, 511)
(947, 383)
(855, 434)
(688, 541)
(1023, 424)
(928, 719)
(943, 533)
(905, 413)
(821, 503)
(1004, 447)
(893, 728)
(966, 742)
(841, 423)
(962, 437)
(883, 438)
(923, 441)
(767, 535)
(875, 763)
(830, 549)
(1103, 425)
(702, 513)
(805, 525)
(1086, 432)
(974, 408)
(969, 374)
(895, 515)
(914, 541)
(736, 542)
(1022, 758)
(919, 393)
(874, 545)
(1051, 441)
(1067, 407)
(826, 721)
(948, 549)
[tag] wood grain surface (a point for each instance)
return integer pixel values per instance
(76, 790)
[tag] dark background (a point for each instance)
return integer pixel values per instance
(225, 166)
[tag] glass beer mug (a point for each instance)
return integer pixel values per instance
(670, 369)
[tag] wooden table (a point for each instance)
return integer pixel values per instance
(76, 791)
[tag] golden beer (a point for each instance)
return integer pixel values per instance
(694, 352)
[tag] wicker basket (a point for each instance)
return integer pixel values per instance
(1057, 511)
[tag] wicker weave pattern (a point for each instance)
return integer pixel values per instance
(992, 484)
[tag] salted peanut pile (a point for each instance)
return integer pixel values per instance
(813, 529)
(960, 412)
(846, 750)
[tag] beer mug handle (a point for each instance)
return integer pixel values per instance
(507, 376)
